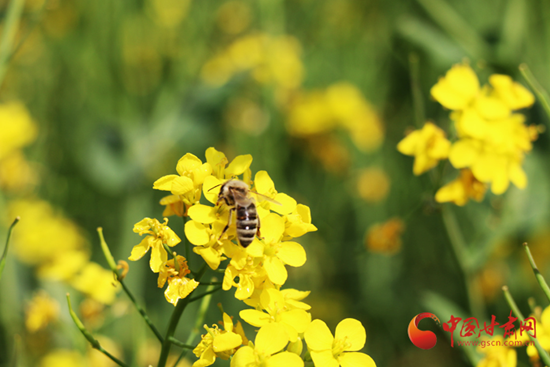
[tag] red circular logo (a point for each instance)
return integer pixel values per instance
(423, 339)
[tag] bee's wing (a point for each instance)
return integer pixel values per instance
(266, 198)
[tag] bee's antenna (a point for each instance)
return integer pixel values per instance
(213, 187)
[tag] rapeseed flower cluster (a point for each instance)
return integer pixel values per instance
(258, 271)
(272, 60)
(492, 139)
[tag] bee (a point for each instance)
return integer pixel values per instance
(236, 195)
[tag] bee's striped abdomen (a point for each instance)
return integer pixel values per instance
(247, 224)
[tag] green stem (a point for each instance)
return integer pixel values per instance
(193, 299)
(114, 269)
(458, 244)
(203, 308)
(174, 319)
(5, 253)
(180, 343)
(542, 353)
(538, 275)
(13, 16)
(141, 312)
(94, 343)
(534, 84)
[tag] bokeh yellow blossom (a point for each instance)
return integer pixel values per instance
(428, 146)
(178, 285)
(97, 283)
(217, 343)
(373, 184)
(340, 350)
(41, 310)
(385, 238)
(273, 60)
(157, 235)
(62, 358)
(17, 126)
(270, 340)
(461, 190)
(341, 105)
(497, 355)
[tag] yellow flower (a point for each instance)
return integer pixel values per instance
(339, 350)
(158, 234)
(40, 311)
(464, 188)
(512, 93)
(18, 128)
(178, 285)
(385, 237)
(16, 173)
(277, 254)
(97, 283)
(270, 340)
(497, 355)
(219, 343)
(294, 320)
(427, 145)
(188, 185)
(298, 223)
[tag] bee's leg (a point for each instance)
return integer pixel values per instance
(228, 222)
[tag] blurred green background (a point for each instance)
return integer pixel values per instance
(120, 90)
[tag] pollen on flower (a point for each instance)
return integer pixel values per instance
(178, 285)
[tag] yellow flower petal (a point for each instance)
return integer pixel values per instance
(271, 338)
(288, 204)
(276, 270)
(141, 249)
(272, 228)
(452, 192)
(255, 317)
(245, 288)
(292, 253)
(463, 153)
(243, 357)
(200, 173)
(285, 359)
(158, 257)
(514, 94)
(211, 189)
(409, 143)
(181, 185)
(298, 319)
(209, 255)
(264, 184)
(188, 163)
(318, 336)
(492, 108)
(324, 359)
(356, 360)
(353, 332)
(238, 165)
(164, 183)
(197, 233)
(226, 341)
(456, 90)
(202, 213)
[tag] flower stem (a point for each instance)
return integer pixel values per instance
(15, 9)
(94, 343)
(174, 319)
(539, 90)
(180, 343)
(538, 275)
(193, 299)
(113, 266)
(542, 353)
(5, 253)
(458, 244)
